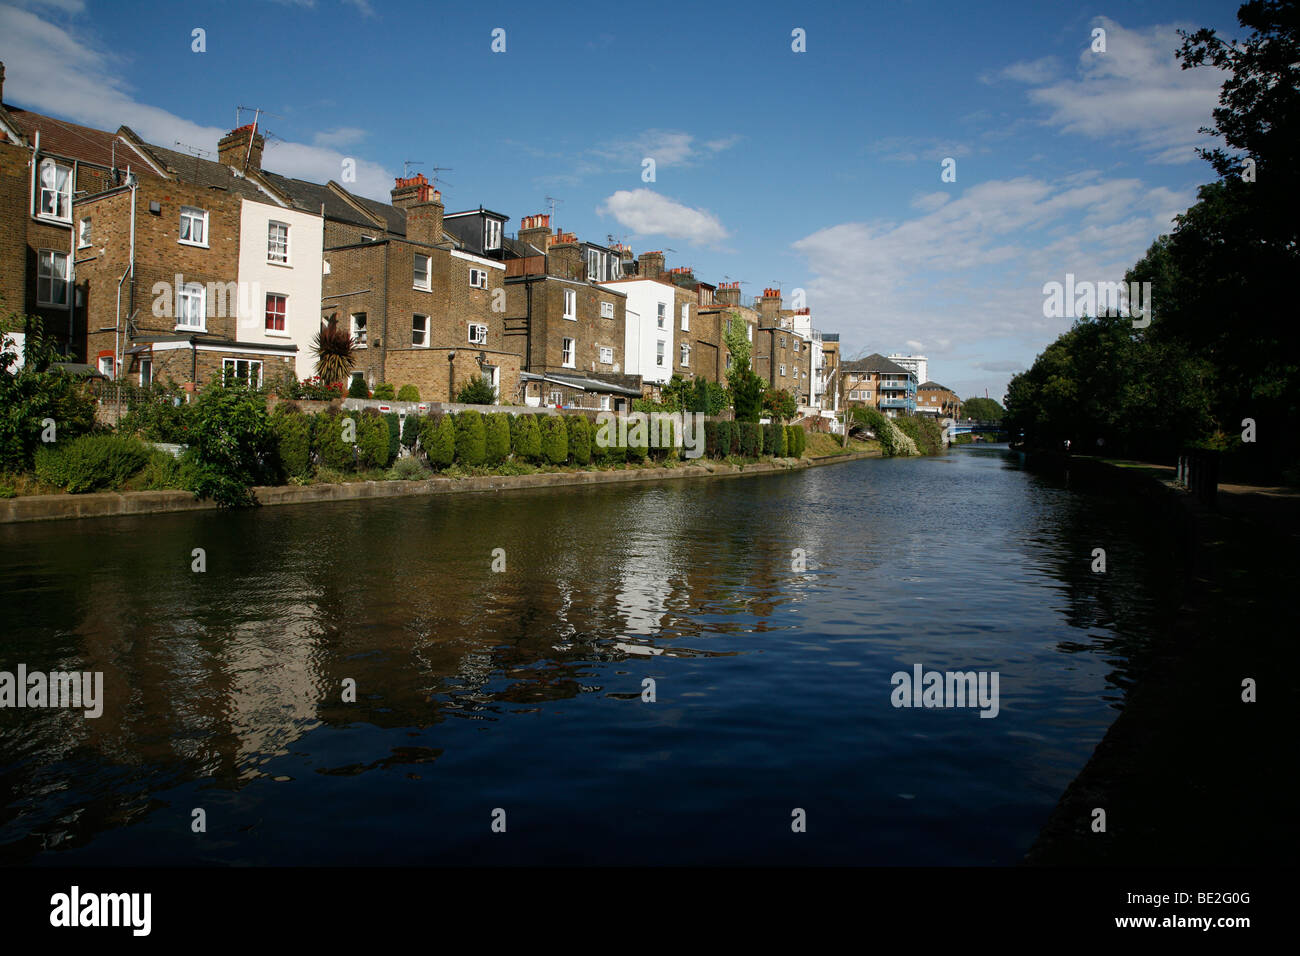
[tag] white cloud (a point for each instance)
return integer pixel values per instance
(910, 149)
(1136, 93)
(94, 95)
(343, 136)
(1028, 71)
(666, 147)
(647, 213)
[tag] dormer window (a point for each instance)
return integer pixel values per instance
(56, 191)
(595, 265)
(492, 234)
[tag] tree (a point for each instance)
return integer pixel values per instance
(476, 392)
(335, 353)
(233, 444)
(358, 388)
(36, 395)
(983, 410)
(780, 404)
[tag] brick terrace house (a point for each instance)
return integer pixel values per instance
(424, 304)
(218, 270)
(938, 400)
(878, 383)
(46, 165)
(781, 355)
(565, 320)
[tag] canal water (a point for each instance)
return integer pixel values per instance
(770, 613)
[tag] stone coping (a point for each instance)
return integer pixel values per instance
(107, 504)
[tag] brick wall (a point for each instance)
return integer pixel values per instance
(435, 376)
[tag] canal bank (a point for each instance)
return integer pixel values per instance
(1188, 774)
(109, 504)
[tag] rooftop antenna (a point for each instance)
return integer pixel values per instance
(196, 153)
(406, 166)
(552, 200)
(438, 180)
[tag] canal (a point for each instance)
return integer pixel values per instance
(770, 613)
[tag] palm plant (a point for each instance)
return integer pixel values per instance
(335, 353)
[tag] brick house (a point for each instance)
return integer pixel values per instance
(223, 269)
(782, 356)
(565, 320)
(937, 400)
(876, 382)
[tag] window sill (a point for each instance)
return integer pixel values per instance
(277, 334)
(281, 265)
(422, 288)
(571, 318)
(196, 245)
(191, 328)
(52, 220)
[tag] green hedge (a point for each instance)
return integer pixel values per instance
(579, 440)
(408, 393)
(471, 439)
(497, 428)
(327, 441)
(751, 439)
(526, 438)
(372, 440)
(796, 441)
(91, 462)
(385, 390)
(411, 430)
(292, 430)
(769, 438)
(438, 438)
(394, 434)
(555, 440)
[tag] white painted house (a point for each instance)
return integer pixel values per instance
(280, 263)
(648, 335)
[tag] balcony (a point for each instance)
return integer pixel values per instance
(894, 403)
(903, 386)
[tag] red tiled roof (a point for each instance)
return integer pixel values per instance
(70, 140)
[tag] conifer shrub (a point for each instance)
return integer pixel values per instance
(782, 442)
(327, 439)
(411, 430)
(555, 440)
(471, 439)
(358, 388)
(769, 438)
(497, 430)
(394, 423)
(751, 439)
(579, 440)
(292, 430)
(372, 440)
(530, 439)
(438, 438)
(385, 390)
(408, 393)
(721, 440)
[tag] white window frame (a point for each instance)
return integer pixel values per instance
(783, 371)
(47, 275)
(661, 314)
(478, 334)
(415, 316)
(557, 398)
(266, 311)
(607, 310)
(569, 352)
(478, 278)
(606, 355)
(491, 374)
(427, 284)
(749, 331)
(83, 232)
(492, 234)
(235, 363)
(571, 305)
(60, 197)
(686, 316)
(272, 243)
(685, 351)
(105, 366)
(604, 403)
(146, 363)
(361, 339)
(192, 292)
(194, 214)
(659, 353)
(595, 265)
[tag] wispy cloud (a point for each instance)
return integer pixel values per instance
(95, 95)
(343, 136)
(665, 146)
(647, 213)
(1136, 93)
(911, 149)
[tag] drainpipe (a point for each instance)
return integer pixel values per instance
(130, 270)
(528, 338)
(383, 347)
(72, 265)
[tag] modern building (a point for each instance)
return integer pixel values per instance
(879, 383)
(938, 400)
(918, 365)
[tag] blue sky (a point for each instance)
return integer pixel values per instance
(817, 170)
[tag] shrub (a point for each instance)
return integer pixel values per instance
(711, 439)
(438, 436)
(638, 443)
(782, 443)
(796, 440)
(407, 469)
(476, 392)
(372, 440)
(751, 439)
(769, 438)
(527, 441)
(411, 430)
(580, 440)
(358, 388)
(233, 446)
(497, 427)
(394, 434)
(91, 462)
(327, 439)
(408, 393)
(555, 440)
(385, 390)
(292, 430)
(162, 472)
(471, 439)
(156, 413)
(722, 440)
(35, 393)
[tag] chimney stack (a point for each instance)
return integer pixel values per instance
(650, 265)
(423, 206)
(769, 308)
(535, 230)
(728, 293)
(233, 149)
(563, 257)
